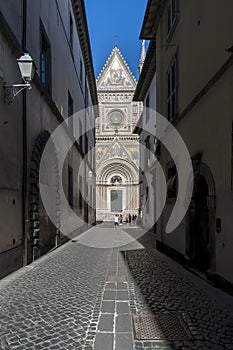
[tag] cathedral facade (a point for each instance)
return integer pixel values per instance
(117, 147)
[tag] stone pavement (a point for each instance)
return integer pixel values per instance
(80, 297)
(164, 289)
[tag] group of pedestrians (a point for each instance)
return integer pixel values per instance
(130, 219)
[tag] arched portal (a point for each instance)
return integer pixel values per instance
(201, 221)
(117, 188)
(43, 234)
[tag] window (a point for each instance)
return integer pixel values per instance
(94, 197)
(81, 71)
(71, 34)
(171, 15)
(80, 193)
(147, 203)
(172, 182)
(147, 143)
(172, 90)
(70, 187)
(147, 109)
(232, 157)
(70, 113)
(86, 145)
(45, 60)
(147, 152)
(158, 150)
(91, 197)
(115, 180)
(86, 201)
(86, 94)
(135, 109)
(218, 225)
(81, 136)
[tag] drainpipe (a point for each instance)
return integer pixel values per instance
(24, 134)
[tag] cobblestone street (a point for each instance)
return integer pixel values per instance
(78, 297)
(163, 288)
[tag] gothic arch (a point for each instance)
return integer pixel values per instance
(43, 234)
(117, 166)
(202, 177)
(205, 171)
(202, 169)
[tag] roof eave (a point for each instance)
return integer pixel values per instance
(82, 28)
(147, 73)
(151, 19)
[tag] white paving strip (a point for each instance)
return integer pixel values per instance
(114, 321)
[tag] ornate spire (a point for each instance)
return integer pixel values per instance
(142, 57)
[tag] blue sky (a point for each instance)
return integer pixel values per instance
(115, 22)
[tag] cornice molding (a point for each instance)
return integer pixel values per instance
(151, 19)
(147, 73)
(82, 28)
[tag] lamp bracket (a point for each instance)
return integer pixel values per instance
(11, 91)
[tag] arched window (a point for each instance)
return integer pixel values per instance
(116, 180)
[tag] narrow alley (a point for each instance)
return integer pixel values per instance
(78, 297)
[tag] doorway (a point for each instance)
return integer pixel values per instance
(116, 201)
(47, 231)
(43, 233)
(201, 236)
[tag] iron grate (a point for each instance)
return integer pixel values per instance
(163, 326)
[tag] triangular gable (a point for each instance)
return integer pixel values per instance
(116, 74)
(116, 150)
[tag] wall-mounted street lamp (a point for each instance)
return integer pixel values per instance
(27, 69)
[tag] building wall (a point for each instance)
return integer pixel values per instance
(147, 159)
(44, 112)
(206, 126)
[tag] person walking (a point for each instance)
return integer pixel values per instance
(130, 219)
(121, 219)
(116, 221)
(133, 218)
